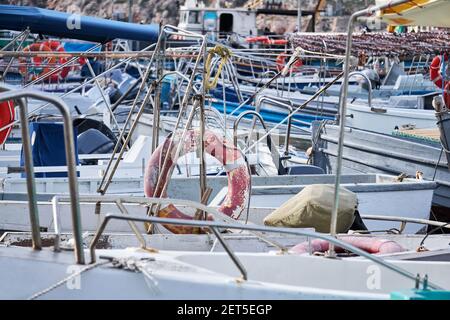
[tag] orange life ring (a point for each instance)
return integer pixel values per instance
(7, 115)
(43, 65)
(56, 46)
(281, 62)
(216, 146)
(436, 77)
(370, 245)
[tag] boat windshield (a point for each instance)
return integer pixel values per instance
(194, 17)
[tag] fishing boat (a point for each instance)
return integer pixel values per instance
(403, 152)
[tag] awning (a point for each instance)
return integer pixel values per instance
(433, 13)
(64, 25)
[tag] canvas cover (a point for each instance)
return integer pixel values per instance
(433, 13)
(65, 25)
(311, 208)
(48, 147)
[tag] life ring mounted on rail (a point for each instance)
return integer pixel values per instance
(229, 156)
(437, 77)
(281, 62)
(43, 65)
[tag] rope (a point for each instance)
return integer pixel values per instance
(324, 54)
(443, 72)
(429, 233)
(443, 137)
(225, 54)
(437, 163)
(61, 282)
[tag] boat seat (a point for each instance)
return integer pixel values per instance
(304, 169)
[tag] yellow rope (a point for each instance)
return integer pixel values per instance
(225, 54)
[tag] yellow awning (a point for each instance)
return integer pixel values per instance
(432, 13)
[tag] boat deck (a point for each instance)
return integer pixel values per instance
(427, 134)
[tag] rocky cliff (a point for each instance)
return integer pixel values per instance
(166, 11)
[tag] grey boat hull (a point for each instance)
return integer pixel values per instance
(370, 152)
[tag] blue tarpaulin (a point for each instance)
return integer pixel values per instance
(64, 25)
(47, 144)
(80, 46)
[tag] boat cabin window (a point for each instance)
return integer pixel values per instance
(185, 17)
(226, 23)
(194, 17)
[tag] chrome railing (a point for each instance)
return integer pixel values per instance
(369, 85)
(18, 96)
(284, 104)
(270, 143)
(214, 226)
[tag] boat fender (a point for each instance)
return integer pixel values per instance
(368, 244)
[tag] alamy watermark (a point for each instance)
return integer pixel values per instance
(374, 279)
(74, 277)
(73, 22)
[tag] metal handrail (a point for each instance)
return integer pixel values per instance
(405, 220)
(302, 106)
(13, 40)
(156, 107)
(277, 102)
(270, 144)
(57, 199)
(369, 84)
(150, 201)
(70, 159)
(108, 175)
(25, 35)
(297, 232)
(343, 106)
(74, 89)
(102, 188)
(29, 169)
(166, 30)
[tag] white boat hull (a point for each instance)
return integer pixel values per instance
(386, 120)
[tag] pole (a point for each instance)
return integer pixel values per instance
(343, 111)
(299, 15)
(130, 20)
(130, 11)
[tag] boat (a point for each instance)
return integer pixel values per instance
(368, 151)
(411, 266)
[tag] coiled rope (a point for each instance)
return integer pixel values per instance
(224, 54)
